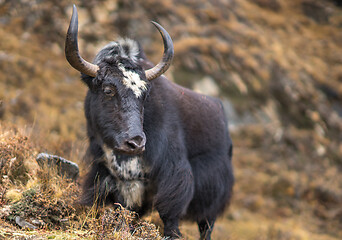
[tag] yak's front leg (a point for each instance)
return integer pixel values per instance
(171, 228)
(205, 227)
(175, 191)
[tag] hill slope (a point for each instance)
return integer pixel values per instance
(276, 62)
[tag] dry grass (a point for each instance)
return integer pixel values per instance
(41, 195)
(284, 202)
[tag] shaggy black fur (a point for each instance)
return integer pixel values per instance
(188, 147)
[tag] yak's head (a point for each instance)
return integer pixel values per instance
(118, 87)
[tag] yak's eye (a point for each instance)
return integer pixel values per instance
(109, 91)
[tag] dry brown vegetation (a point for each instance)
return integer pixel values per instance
(277, 61)
(41, 196)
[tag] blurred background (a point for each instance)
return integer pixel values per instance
(276, 65)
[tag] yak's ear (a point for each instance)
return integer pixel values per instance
(88, 80)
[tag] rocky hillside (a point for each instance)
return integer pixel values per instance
(276, 61)
(276, 64)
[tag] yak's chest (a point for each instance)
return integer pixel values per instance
(130, 174)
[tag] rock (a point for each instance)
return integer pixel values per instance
(5, 211)
(237, 120)
(334, 213)
(64, 167)
(37, 222)
(253, 202)
(282, 188)
(64, 221)
(207, 86)
(273, 5)
(318, 11)
(23, 224)
(327, 197)
(235, 215)
(230, 113)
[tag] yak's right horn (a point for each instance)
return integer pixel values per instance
(71, 49)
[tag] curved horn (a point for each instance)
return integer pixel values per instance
(71, 49)
(165, 62)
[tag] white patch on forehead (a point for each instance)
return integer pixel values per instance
(133, 81)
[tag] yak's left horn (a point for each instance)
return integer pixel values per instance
(165, 62)
(71, 49)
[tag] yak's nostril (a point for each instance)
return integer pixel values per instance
(136, 143)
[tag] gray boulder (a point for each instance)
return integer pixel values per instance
(65, 167)
(23, 224)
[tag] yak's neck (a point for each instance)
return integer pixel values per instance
(160, 105)
(160, 100)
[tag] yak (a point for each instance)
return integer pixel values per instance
(153, 144)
